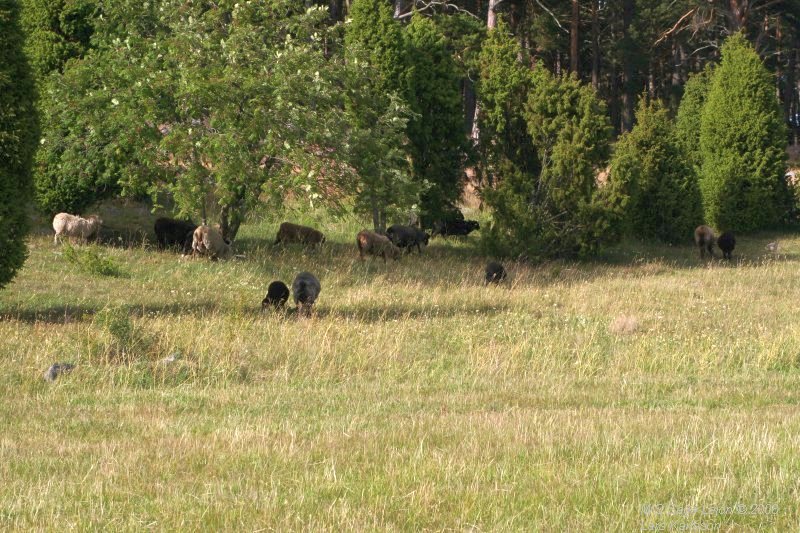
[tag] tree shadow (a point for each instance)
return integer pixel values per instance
(67, 313)
(370, 314)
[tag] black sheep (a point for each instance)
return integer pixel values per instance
(406, 237)
(495, 273)
(306, 289)
(726, 243)
(455, 227)
(277, 295)
(171, 232)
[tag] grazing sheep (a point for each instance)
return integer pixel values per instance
(289, 233)
(306, 289)
(495, 273)
(726, 243)
(68, 225)
(704, 239)
(277, 295)
(372, 243)
(207, 240)
(455, 227)
(172, 232)
(407, 237)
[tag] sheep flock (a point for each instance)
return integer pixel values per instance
(208, 241)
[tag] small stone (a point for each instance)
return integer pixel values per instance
(171, 358)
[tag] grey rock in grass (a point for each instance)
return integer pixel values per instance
(52, 373)
(171, 359)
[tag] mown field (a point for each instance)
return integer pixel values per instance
(576, 397)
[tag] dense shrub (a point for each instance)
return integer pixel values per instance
(651, 167)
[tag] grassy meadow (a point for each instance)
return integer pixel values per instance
(579, 396)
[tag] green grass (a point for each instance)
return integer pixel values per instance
(415, 398)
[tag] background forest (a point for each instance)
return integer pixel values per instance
(390, 110)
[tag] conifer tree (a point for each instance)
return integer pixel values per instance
(651, 167)
(18, 135)
(743, 144)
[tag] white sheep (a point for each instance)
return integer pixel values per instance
(208, 240)
(68, 225)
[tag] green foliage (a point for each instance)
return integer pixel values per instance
(221, 106)
(18, 135)
(438, 140)
(690, 112)
(376, 145)
(561, 212)
(743, 144)
(372, 29)
(56, 30)
(650, 166)
(95, 143)
(91, 260)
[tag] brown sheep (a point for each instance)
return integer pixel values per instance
(372, 243)
(208, 240)
(68, 225)
(704, 239)
(289, 233)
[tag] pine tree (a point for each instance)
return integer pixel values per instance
(743, 144)
(651, 167)
(18, 135)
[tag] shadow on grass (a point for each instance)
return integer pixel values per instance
(393, 312)
(66, 314)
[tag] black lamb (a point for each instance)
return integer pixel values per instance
(277, 295)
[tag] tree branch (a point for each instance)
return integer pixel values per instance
(422, 5)
(551, 15)
(675, 27)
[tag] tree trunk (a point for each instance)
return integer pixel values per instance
(491, 23)
(595, 46)
(573, 37)
(230, 218)
(491, 18)
(628, 88)
(738, 14)
(790, 88)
